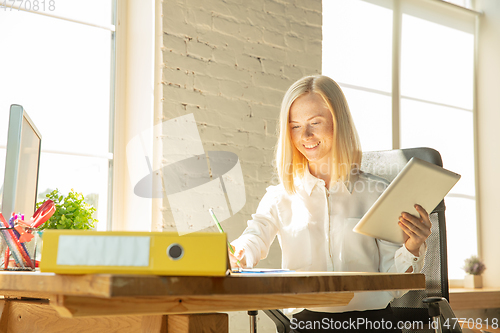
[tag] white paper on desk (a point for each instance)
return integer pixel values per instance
(103, 250)
(262, 270)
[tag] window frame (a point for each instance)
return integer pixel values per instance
(138, 103)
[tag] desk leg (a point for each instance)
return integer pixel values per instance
(198, 323)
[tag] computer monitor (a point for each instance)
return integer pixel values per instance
(22, 162)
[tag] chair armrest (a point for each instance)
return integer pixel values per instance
(439, 306)
(280, 320)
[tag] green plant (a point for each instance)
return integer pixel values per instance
(71, 212)
(474, 266)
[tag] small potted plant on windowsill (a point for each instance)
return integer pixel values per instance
(72, 212)
(474, 267)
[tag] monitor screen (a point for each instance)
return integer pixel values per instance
(21, 165)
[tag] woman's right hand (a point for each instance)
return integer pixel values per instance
(239, 255)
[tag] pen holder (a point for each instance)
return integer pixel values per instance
(18, 249)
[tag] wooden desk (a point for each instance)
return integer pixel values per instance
(141, 302)
(481, 298)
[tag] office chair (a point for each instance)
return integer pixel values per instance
(416, 305)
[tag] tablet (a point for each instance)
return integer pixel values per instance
(419, 182)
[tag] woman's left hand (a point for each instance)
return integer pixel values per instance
(416, 229)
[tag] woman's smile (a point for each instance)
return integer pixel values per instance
(311, 146)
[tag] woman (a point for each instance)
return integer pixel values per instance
(321, 196)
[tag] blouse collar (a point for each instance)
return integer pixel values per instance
(309, 181)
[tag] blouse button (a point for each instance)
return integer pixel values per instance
(415, 259)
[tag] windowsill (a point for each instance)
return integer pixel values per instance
(481, 298)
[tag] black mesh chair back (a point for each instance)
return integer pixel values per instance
(409, 307)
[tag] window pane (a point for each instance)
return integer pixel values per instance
(86, 175)
(60, 73)
(93, 11)
(436, 63)
(373, 118)
(357, 41)
(89, 11)
(449, 131)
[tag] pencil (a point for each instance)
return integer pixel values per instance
(222, 231)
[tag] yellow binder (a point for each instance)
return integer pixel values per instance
(121, 252)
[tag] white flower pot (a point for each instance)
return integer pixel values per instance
(473, 281)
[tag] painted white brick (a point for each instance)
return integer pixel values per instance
(251, 32)
(314, 48)
(175, 60)
(223, 41)
(226, 72)
(173, 14)
(314, 17)
(171, 43)
(264, 111)
(272, 66)
(232, 88)
(271, 81)
(224, 55)
(305, 30)
(227, 7)
(172, 108)
(295, 42)
(184, 96)
(303, 60)
(224, 108)
(264, 51)
(265, 95)
(271, 127)
(295, 13)
(199, 17)
(247, 62)
(264, 142)
(199, 50)
(211, 134)
(206, 83)
(226, 25)
(273, 38)
(174, 20)
(255, 128)
(263, 19)
(310, 4)
(293, 73)
(274, 7)
(177, 76)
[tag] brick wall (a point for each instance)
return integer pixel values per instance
(229, 62)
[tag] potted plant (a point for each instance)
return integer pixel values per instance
(474, 267)
(72, 212)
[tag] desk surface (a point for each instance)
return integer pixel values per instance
(106, 294)
(481, 298)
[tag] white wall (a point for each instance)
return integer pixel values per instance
(488, 121)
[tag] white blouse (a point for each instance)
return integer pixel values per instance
(314, 229)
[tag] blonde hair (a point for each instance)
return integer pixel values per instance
(346, 150)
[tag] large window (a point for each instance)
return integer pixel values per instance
(406, 68)
(57, 62)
